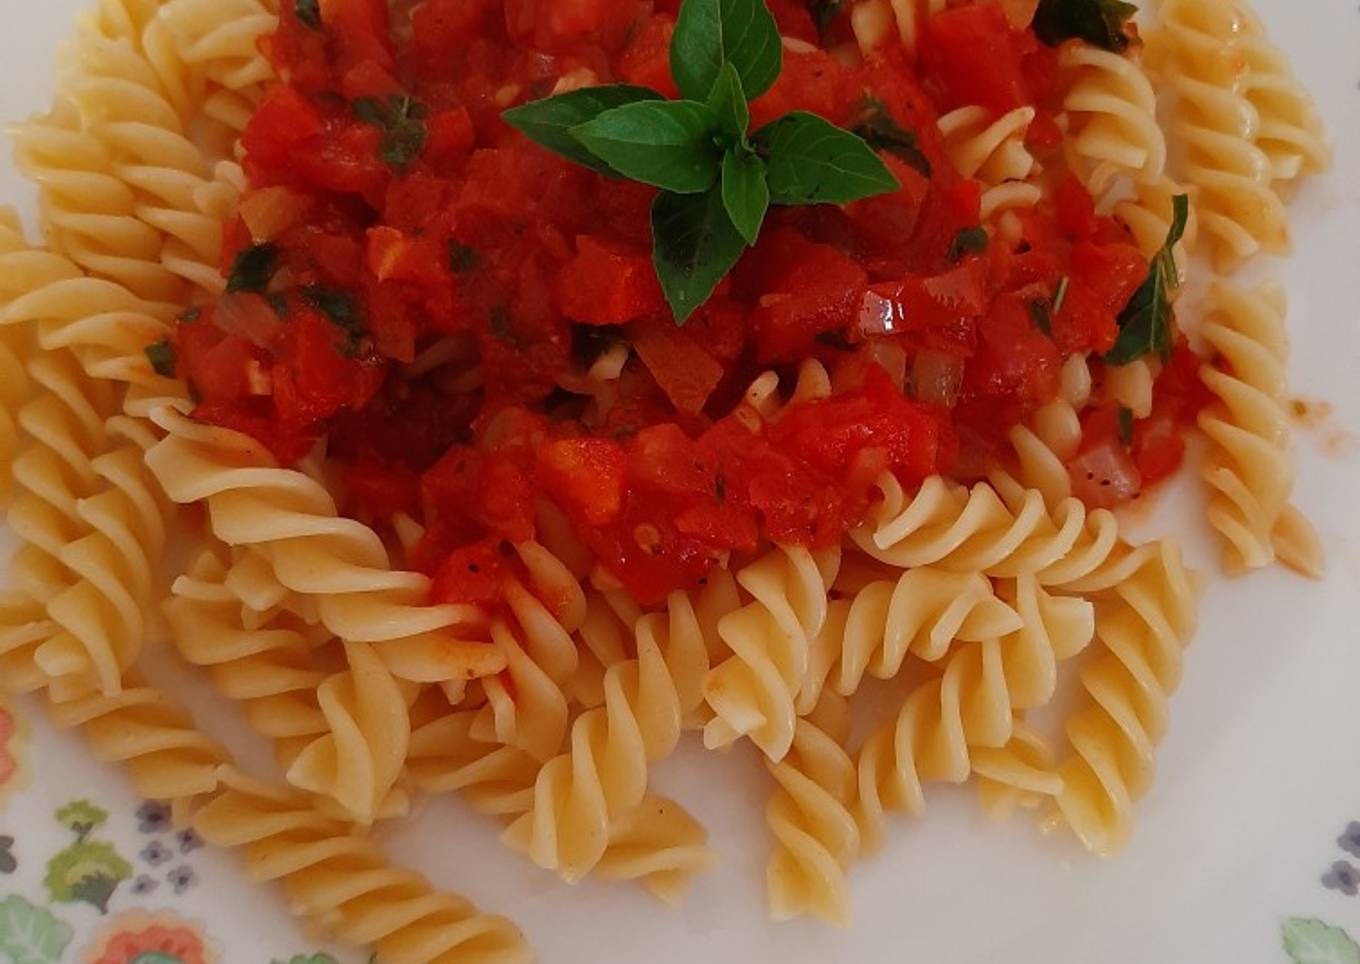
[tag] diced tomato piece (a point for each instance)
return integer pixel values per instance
(380, 491)
(682, 367)
(284, 126)
(359, 29)
(971, 51)
(472, 574)
(807, 289)
(1076, 209)
(1014, 358)
(586, 476)
(1158, 448)
(646, 61)
(608, 284)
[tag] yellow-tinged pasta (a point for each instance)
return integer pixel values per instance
(341, 882)
(1113, 115)
(292, 520)
(922, 612)
(1142, 629)
(991, 149)
(1196, 52)
(267, 667)
(1008, 776)
(874, 21)
(813, 384)
(752, 693)
(23, 626)
(15, 344)
(811, 819)
(1148, 213)
(526, 707)
(1249, 470)
(222, 38)
(582, 793)
(1003, 532)
(972, 704)
(167, 756)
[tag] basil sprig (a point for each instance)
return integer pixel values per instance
(1101, 23)
(717, 179)
(1145, 322)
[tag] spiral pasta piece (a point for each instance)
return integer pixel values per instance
(873, 22)
(1003, 532)
(581, 794)
(811, 819)
(1113, 114)
(1142, 631)
(15, 344)
(292, 520)
(222, 38)
(1148, 215)
(1249, 471)
(167, 756)
(922, 612)
(266, 667)
(752, 693)
(340, 881)
(972, 704)
(1195, 49)
(990, 149)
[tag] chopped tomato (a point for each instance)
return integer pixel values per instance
(608, 284)
(587, 477)
(972, 53)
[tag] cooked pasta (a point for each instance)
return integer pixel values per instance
(1248, 471)
(481, 523)
(1141, 633)
(752, 692)
(1113, 112)
(341, 882)
(810, 817)
(1196, 51)
(971, 704)
(293, 521)
(975, 530)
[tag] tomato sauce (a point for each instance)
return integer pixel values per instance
(423, 288)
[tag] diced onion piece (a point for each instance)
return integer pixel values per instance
(248, 315)
(1105, 476)
(879, 315)
(270, 211)
(890, 356)
(936, 377)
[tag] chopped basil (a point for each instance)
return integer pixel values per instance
(720, 488)
(968, 241)
(189, 315)
(161, 354)
(824, 12)
(882, 133)
(402, 121)
(342, 310)
(1042, 316)
(1126, 425)
(499, 320)
(1145, 322)
(308, 13)
(278, 302)
(1101, 23)
(252, 268)
(462, 259)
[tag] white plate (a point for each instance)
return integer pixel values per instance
(1258, 781)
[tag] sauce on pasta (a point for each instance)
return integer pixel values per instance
(474, 326)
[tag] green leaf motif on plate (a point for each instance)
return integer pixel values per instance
(30, 934)
(302, 959)
(81, 817)
(88, 872)
(1313, 942)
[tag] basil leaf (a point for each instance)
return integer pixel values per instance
(308, 13)
(548, 122)
(342, 310)
(878, 129)
(1101, 23)
(812, 161)
(161, 354)
(1126, 425)
(252, 268)
(746, 196)
(968, 241)
(402, 121)
(1145, 322)
(1042, 315)
(694, 246)
(665, 143)
(710, 33)
(728, 102)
